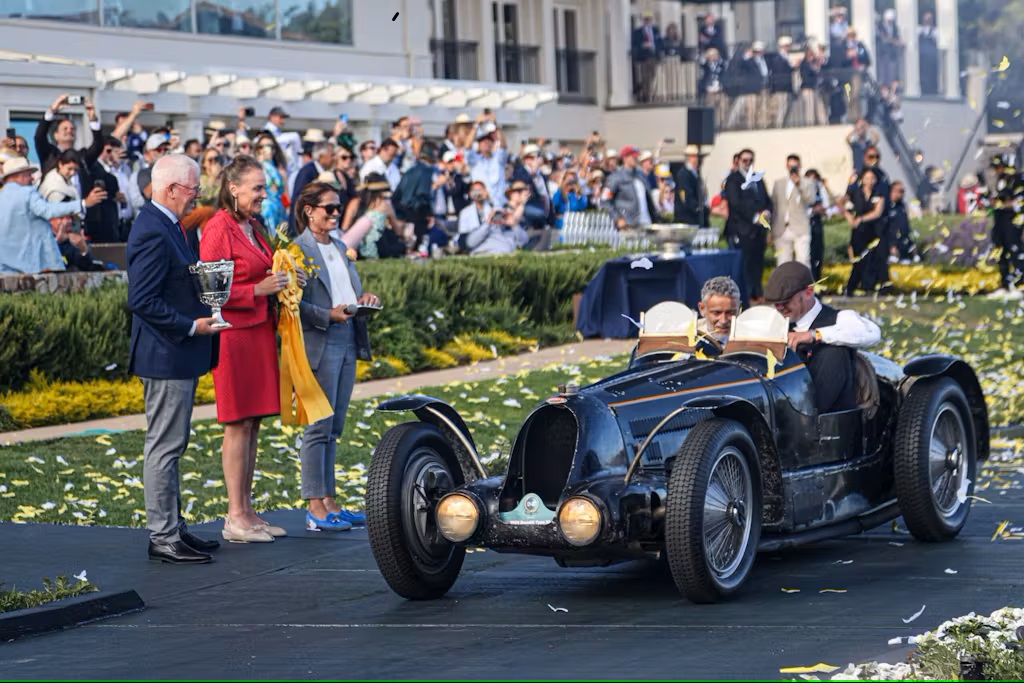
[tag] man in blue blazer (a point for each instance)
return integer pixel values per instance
(172, 345)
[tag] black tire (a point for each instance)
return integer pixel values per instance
(415, 560)
(928, 489)
(714, 448)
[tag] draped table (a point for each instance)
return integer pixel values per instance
(619, 288)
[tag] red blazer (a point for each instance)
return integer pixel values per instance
(223, 239)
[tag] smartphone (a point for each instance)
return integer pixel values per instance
(149, 106)
(250, 111)
(343, 118)
(100, 184)
(74, 99)
(12, 133)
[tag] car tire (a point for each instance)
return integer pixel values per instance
(717, 457)
(414, 559)
(931, 490)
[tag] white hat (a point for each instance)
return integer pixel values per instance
(216, 124)
(314, 135)
(645, 155)
(17, 165)
(692, 151)
(463, 118)
(784, 40)
(154, 141)
(757, 46)
(530, 151)
(449, 156)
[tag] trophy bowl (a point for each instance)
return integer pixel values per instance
(673, 237)
(213, 283)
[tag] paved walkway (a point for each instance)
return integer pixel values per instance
(485, 370)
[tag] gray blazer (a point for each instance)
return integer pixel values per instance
(315, 307)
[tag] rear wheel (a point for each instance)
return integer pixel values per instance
(412, 468)
(713, 516)
(935, 459)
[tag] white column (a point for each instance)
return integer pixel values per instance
(548, 44)
(618, 43)
(763, 17)
(947, 19)
(863, 20)
(816, 20)
(487, 56)
(906, 20)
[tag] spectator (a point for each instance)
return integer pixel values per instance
(663, 197)
(899, 225)
(689, 195)
(859, 139)
(837, 29)
(193, 148)
(863, 212)
(412, 199)
(74, 249)
(710, 88)
(780, 82)
(750, 211)
(243, 145)
(856, 62)
(748, 76)
(812, 83)
(791, 227)
(503, 232)
(289, 143)
(322, 161)
(64, 138)
(646, 52)
(380, 241)
(11, 148)
(345, 174)
(819, 210)
(626, 195)
(672, 43)
(711, 36)
(539, 212)
(27, 244)
(568, 197)
(477, 212)
(594, 188)
(246, 377)
(889, 47)
(271, 157)
(334, 338)
(103, 221)
(928, 54)
(646, 162)
(209, 178)
(367, 151)
(384, 163)
(157, 145)
(112, 162)
(487, 161)
(968, 197)
(57, 187)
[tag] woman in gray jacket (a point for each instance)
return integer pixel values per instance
(334, 338)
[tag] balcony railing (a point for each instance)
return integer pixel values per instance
(455, 60)
(516, 63)
(576, 76)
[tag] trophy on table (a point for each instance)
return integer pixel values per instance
(213, 281)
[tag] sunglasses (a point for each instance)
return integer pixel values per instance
(344, 157)
(330, 209)
(747, 160)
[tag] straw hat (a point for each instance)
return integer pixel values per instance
(17, 165)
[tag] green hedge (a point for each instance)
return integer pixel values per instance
(78, 336)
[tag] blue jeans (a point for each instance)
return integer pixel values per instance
(337, 376)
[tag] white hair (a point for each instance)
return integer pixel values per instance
(173, 168)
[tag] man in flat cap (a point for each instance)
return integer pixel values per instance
(825, 338)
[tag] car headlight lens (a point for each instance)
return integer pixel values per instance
(580, 521)
(457, 517)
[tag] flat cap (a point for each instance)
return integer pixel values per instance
(787, 280)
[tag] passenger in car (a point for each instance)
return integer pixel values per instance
(825, 338)
(719, 304)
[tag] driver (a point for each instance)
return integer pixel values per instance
(825, 338)
(719, 304)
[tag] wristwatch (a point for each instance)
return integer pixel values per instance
(817, 335)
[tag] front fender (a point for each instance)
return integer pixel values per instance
(440, 414)
(936, 365)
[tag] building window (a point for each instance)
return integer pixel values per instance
(169, 15)
(248, 18)
(321, 21)
(79, 11)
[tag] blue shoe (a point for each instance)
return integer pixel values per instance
(353, 518)
(330, 523)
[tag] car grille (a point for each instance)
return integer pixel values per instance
(543, 459)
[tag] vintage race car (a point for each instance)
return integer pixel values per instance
(702, 458)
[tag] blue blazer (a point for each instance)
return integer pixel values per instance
(164, 301)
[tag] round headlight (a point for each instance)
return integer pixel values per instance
(580, 521)
(457, 517)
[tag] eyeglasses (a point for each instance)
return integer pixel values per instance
(344, 157)
(193, 190)
(872, 157)
(330, 209)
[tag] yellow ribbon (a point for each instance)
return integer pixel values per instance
(310, 404)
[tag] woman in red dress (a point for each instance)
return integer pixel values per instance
(247, 374)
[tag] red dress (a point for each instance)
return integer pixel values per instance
(247, 374)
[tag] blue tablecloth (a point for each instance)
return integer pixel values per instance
(619, 288)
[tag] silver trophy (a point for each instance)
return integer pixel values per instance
(213, 281)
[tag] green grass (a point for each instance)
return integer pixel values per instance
(57, 589)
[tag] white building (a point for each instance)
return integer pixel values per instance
(557, 69)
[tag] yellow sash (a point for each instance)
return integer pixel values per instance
(310, 404)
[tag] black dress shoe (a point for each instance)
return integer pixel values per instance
(178, 552)
(197, 543)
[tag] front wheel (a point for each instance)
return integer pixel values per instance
(935, 459)
(412, 468)
(713, 516)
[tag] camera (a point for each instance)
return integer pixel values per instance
(12, 133)
(74, 99)
(250, 111)
(101, 184)
(794, 169)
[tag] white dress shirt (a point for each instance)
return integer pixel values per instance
(342, 291)
(851, 328)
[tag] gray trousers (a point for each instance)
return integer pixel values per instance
(168, 426)
(337, 376)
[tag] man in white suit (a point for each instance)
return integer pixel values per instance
(791, 225)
